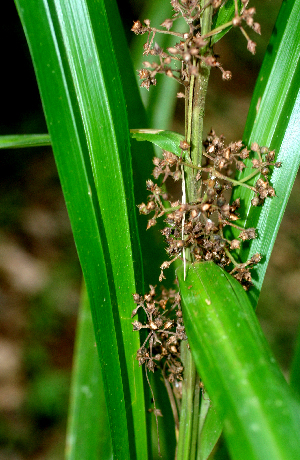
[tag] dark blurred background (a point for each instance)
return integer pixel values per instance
(40, 275)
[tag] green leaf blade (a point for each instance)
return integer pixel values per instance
(259, 411)
(166, 140)
(210, 428)
(86, 437)
(18, 141)
(274, 121)
(159, 101)
(102, 106)
(78, 141)
(225, 14)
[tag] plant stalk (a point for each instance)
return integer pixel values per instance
(194, 114)
(188, 429)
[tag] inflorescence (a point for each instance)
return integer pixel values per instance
(198, 230)
(165, 331)
(199, 226)
(181, 60)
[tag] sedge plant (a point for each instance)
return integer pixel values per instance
(212, 369)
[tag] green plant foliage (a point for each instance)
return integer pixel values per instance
(274, 121)
(260, 413)
(88, 434)
(224, 15)
(81, 67)
(166, 140)
(210, 428)
(92, 155)
(160, 101)
(295, 368)
(141, 163)
(17, 141)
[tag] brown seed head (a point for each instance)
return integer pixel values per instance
(137, 28)
(251, 46)
(226, 75)
(167, 24)
(184, 145)
(237, 20)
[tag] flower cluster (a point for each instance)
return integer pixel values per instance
(224, 157)
(165, 330)
(199, 226)
(184, 58)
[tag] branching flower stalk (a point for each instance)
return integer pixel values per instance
(195, 226)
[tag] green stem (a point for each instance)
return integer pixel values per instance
(194, 114)
(196, 414)
(235, 263)
(173, 404)
(195, 105)
(217, 30)
(188, 430)
(254, 173)
(216, 173)
(235, 182)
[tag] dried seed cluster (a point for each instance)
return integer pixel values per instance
(195, 230)
(199, 226)
(184, 58)
(165, 329)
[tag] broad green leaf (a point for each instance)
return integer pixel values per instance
(225, 14)
(274, 121)
(166, 140)
(260, 413)
(87, 122)
(17, 141)
(88, 435)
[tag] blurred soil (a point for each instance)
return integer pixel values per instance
(39, 270)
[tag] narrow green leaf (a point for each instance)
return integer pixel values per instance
(87, 123)
(166, 140)
(88, 435)
(159, 101)
(71, 156)
(295, 368)
(225, 14)
(142, 165)
(210, 428)
(17, 141)
(260, 413)
(93, 67)
(274, 121)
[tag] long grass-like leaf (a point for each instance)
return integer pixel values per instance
(86, 119)
(159, 101)
(142, 165)
(88, 434)
(17, 141)
(210, 428)
(274, 121)
(261, 414)
(295, 368)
